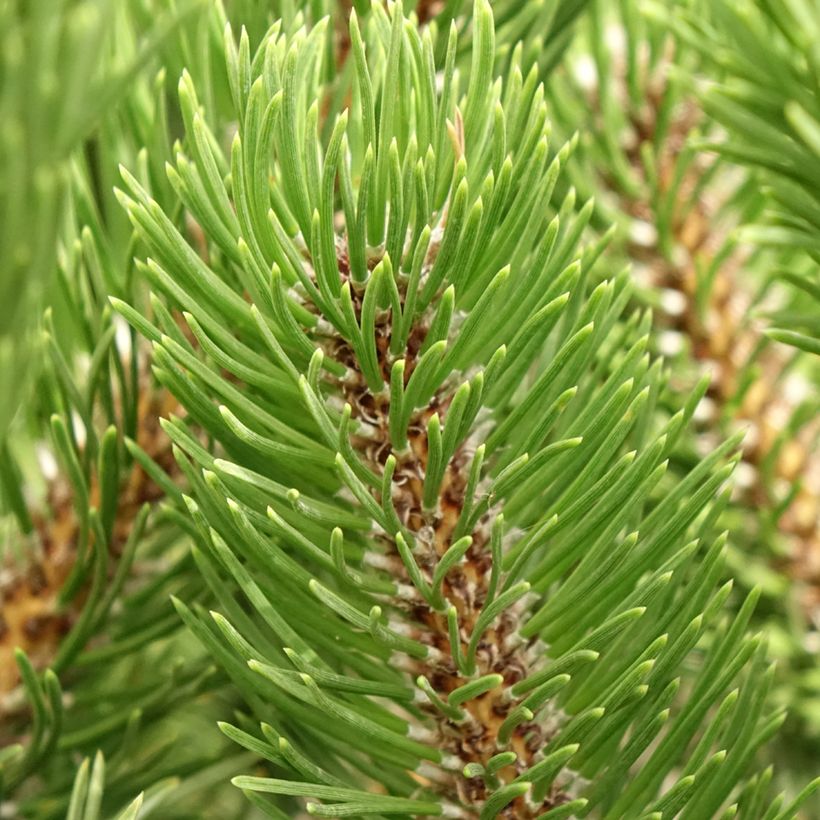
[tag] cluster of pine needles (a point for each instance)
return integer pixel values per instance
(409, 409)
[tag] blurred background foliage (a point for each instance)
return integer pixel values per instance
(698, 141)
(65, 65)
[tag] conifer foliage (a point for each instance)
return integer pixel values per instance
(766, 97)
(436, 483)
(388, 423)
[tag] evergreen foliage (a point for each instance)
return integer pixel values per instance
(364, 454)
(679, 211)
(62, 65)
(767, 99)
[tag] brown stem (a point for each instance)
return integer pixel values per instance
(500, 651)
(31, 617)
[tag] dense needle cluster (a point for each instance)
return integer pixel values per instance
(434, 422)
(357, 383)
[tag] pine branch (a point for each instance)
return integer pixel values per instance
(780, 137)
(708, 287)
(55, 93)
(474, 537)
(683, 212)
(405, 452)
(86, 582)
